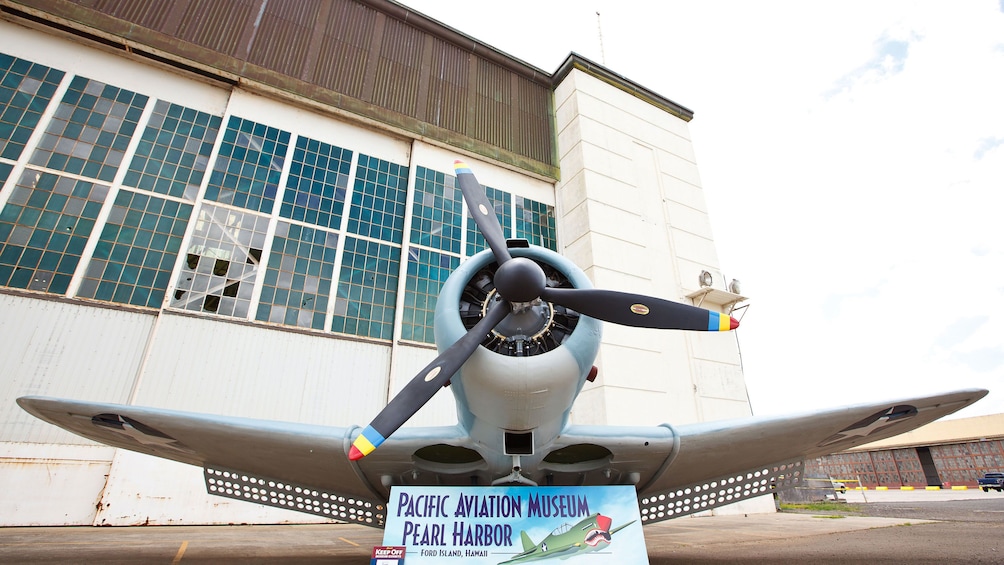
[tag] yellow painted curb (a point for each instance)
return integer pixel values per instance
(932, 488)
(881, 488)
(905, 488)
(960, 487)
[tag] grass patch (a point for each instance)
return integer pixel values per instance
(831, 516)
(839, 507)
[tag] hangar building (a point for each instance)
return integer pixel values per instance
(945, 454)
(246, 208)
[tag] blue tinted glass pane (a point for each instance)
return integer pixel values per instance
(90, 129)
(318, 179)
(25, 91)
(378, 199)
(298, 277)
(427, 271)
(172, 155)
(128, 264)
(367, 289)
(46, 223)
(535, 223)
(436, 211)
(249, 165)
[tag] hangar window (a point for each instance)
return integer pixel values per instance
(90, 130)
(427, 271)
(378, 199)
(436, 211)
(25, 91)
(136, 252)
(502, 201)
(44, 228)
(248, 168)
(172, 155)
(221, 262)
(535, 223)
(367, 289)
(297, 281)
(5, 169)
(318, 178)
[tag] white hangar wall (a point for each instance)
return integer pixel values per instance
(629, 210)
(633, 215)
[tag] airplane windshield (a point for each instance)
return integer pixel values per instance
(561, 529)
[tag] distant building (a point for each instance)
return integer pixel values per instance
(247, 208)
(942, 453)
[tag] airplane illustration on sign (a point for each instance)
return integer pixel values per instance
(591, 533)
(518, 328)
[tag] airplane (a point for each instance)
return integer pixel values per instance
(588, 535)
(518, 328)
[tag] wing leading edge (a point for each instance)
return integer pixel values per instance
(712, 464)
(677, 470)
(267, 462)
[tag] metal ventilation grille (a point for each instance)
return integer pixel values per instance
(281, 494)
(707, 495)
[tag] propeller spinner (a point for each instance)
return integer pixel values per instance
(519, 281)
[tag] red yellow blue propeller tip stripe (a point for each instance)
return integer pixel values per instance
(721, 323)
(365, 443)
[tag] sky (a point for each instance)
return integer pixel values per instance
(852, 157)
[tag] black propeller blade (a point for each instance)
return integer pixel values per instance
(520, 280)
(425, 384)
(637, 310)
(482, 211)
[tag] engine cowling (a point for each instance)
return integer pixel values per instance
(519, 378)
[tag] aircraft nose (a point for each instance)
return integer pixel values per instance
(603, 522)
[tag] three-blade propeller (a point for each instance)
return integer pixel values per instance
(520, 280)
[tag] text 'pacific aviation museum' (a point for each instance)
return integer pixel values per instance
(248, 208)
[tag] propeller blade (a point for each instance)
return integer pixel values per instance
(482, 211)
(638, 310)
(425, 384)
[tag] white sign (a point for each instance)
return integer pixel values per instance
(515, 525)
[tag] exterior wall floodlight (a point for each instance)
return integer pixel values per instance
(705, 278)
(735, 287)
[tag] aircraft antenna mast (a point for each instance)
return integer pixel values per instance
(599, 33)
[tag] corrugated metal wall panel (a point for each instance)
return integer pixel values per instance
(344, 49)
(283, 37)
(154, 14)
(531, 108)
(225, 27)
(449, 68)
(54, 348)
(398, 68)
(363, 56)
(206, 365)
(493, 101)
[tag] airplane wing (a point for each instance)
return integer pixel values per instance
(677, 470)
(295, 466)
(690, 468)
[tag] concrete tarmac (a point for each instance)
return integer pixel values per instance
(968, 529)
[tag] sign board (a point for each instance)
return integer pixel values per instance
(517, 524)
(387, 555)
